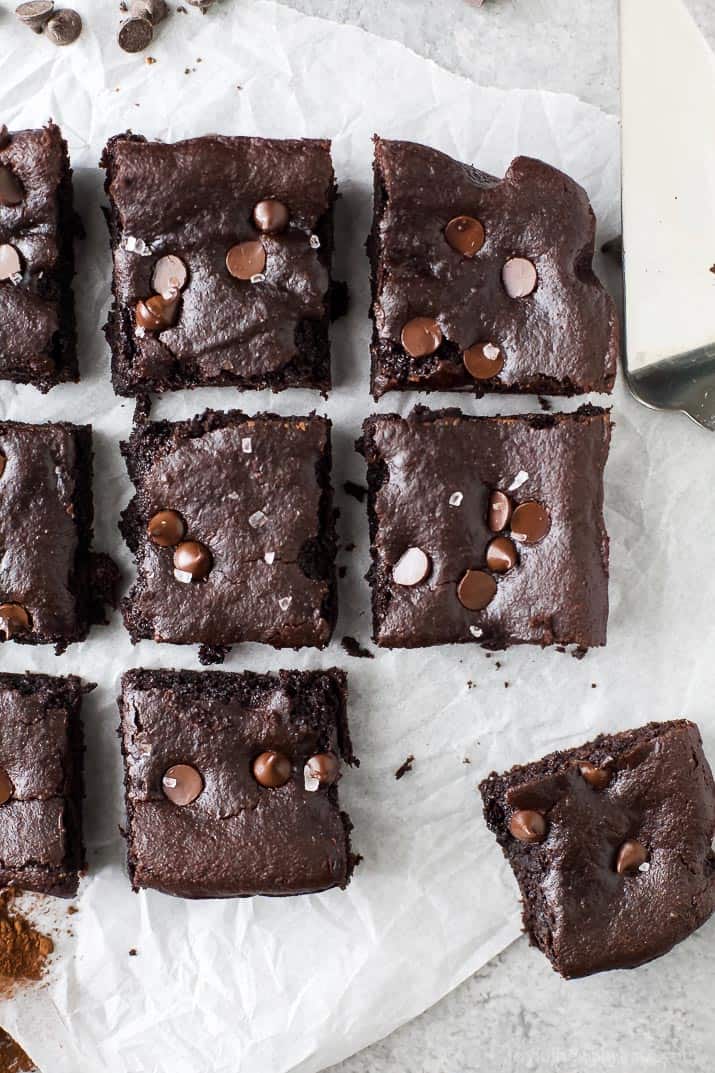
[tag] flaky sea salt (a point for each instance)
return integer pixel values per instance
(137, 245)
(455, 500)
(183, 575)
(285, 602)
(247, 445)
(521, 477)
(314, 242)
(259, 277)
(311, 783)
(257, 519)
(270, 557)
(476, 631)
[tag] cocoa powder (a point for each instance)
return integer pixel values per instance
(23, 949)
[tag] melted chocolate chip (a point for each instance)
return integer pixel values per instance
(3, 463)
(630, 857)
(322, 768)
(9, 262)
(246, 259)
(530, 523)
(271, 216)
(527, 825)
(519, 277)
(272, 769)
(476, 590)
(499, 513)
(11, 192)
(13, 619)
(169, 276)
(166, 528)
(598, 777)
(182, 784)
(194, 559)
(411, 568)
(465, 234)
(6, 787)
(483, 361)
(157, 313)
(501, 555)
(421, 336)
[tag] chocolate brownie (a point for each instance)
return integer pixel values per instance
(611, 845)
(483, 284)
(222, 255)
(487, 529)
(52, 586)
(233, 529)
(37, 230)
(41, 761)
(231, 782)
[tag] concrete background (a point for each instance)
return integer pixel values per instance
(516, 1014)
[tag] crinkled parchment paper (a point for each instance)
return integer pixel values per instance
(296, 984)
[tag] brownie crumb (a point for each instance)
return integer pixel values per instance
(150, 60)
(354, 648)
(133, 952)
(405, 767)
(579, 652)
(466, 760)
(593, 685)
(71, 910)
(544, 403)
(712, 269)
(561, 648)
(506, 685)
(357, 491)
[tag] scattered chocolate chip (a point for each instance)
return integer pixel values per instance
(169, 276)
(630, 857)
(501, 555)
(598, 777)
(3, 463)
(194, 559)
(476, 590)
(166, 528)
(64, 27)
(157, 313)
(9, 262)
(519, 277)
(354, 648)
(321, 770)
(13, 619)
(182, 784)
(202, 5)
(483, 360)
(11, 192)
(499, 513)
(6, 787)
(527, 825)
(246, 260)
(404, 767)
(153, 10)
(272, 769)
(35, 14)
(465, 235)
(530, 523)
(421, 337)
(411, 568)
(271, 216)
(135, 35)
(357, 491)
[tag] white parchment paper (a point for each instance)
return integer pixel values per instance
(297, 984)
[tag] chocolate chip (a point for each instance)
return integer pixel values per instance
(166, 528)
(519, 277)
(411, 568)
(3, 463)
(271, 216)
(272, 769)
(421, 336)
(6, 787)
(476, 590)
(64, 28)
(35, 14)
(153, 10)
(465, 235)
(527, 825)
(483, 361)
(193, 559)
(9, 262)
(630, 857)
(598, 777)
(135, 35)
(157, 313)
(530, 523)
(13, 619)
(246, 259)
(321, 770)
(501, 555)
(499, 513)
(169, 276)
(11, 192)
(182, 784)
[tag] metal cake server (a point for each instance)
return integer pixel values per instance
(668, 143)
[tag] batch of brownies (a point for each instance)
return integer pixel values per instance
(484, 530)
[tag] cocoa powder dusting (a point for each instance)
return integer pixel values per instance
(23, 949)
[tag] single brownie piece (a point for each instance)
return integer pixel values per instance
(484, 284)
(41, 761)
(222, 254)
(52, 586)
(611, 845)
(233, 530)
(487, 528)
(37, 230)
(231, 782)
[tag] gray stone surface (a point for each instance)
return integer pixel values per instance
(516, 1014)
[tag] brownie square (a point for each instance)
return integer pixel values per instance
(611, 845)
(37, 230)
(52, 586)
(242, 230)
(231, 782)
(41, 790)
(483, 284)
(233, 530)
(487, 529)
